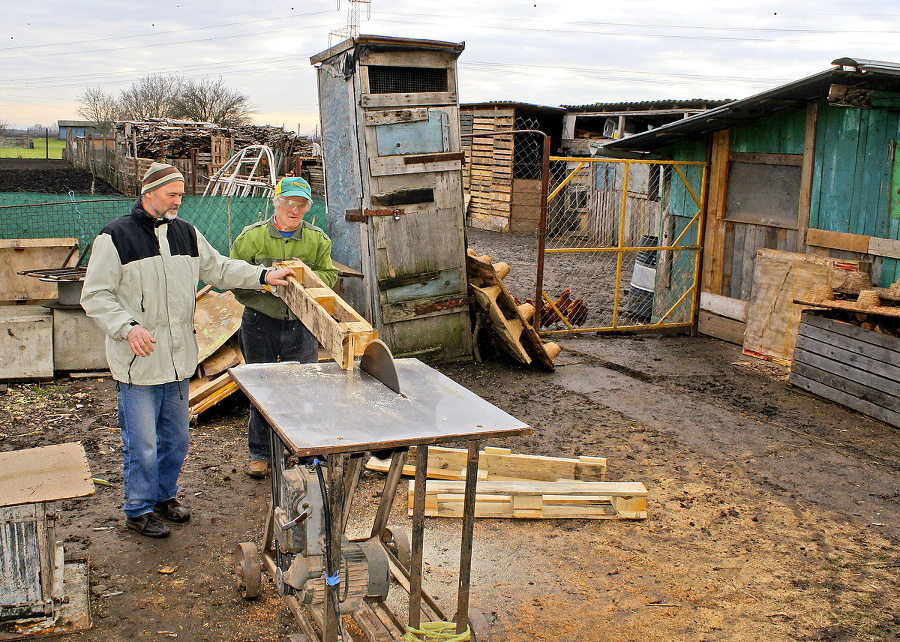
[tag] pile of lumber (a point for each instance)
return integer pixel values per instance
(217, 319)
(174, 139)
(509, 323)
(514, 485)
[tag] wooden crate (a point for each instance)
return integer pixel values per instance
(841, 362)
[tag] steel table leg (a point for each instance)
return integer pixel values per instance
(465, 548)
(418, 532)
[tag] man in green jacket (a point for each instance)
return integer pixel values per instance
(269, 330)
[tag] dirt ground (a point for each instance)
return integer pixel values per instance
(773, 515)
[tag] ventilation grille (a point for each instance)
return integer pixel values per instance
(406, 80)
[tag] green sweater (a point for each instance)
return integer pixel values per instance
(262, 244)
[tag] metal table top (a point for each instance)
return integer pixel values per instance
(318, 408)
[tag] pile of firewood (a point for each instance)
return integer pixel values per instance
(168, 138)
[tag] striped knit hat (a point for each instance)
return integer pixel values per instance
(158, 175)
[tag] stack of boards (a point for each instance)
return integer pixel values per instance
(523, 486)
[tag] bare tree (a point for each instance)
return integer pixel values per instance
(150, 97)
(2, 127)
(98, 107)
(212, 101)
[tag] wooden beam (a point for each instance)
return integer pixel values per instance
(838, 240)
(501, 464)
(538, 500)
(338, 327)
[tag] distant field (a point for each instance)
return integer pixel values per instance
(39, 151)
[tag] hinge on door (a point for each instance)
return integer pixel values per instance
(362, 216)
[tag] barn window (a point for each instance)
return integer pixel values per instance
(384, 79)
(764, 189)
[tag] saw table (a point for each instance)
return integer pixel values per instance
(322, 414)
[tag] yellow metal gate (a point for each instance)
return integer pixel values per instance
(622, 244)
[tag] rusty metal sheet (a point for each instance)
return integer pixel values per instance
(216, 318)
(318, 408)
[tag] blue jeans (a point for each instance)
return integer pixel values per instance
(267, 340)
(154, 423)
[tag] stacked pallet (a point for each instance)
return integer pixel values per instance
(509, 323)
(491, 172)
(515, 485)
(537, 500)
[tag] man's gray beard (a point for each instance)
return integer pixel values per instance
(169, 215)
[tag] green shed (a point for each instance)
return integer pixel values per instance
(807, 167)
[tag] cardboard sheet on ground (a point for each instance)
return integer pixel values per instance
(44, 474)
(216, 318)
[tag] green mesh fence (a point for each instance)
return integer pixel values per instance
(219, 218)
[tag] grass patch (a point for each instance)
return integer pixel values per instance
(56, 148)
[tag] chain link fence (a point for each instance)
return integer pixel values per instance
(615, 246)
(622, 244)
(219, 218)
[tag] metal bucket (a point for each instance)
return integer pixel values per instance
(643, 280)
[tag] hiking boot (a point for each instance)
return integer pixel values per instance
(148, 524)
(172, 510)
(258, 469)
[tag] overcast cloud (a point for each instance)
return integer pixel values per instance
(549, 52)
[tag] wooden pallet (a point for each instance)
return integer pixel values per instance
(537, 500)
(338, 327)
(510, 324)
(853, 367)
(500, 464)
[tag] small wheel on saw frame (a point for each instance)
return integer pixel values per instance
(247, 570)
(397, 542)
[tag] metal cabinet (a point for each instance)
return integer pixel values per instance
(393, 176)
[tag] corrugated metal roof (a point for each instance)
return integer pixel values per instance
(645, 105)
(510, 103)
(855, 72)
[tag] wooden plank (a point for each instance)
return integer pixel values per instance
(211, 400)
(844, 399)
(806, 176)
(877, 387)
(723, 328)
(714, 236)
(838, 240)
(341, 331)
(498, 464)
(538, 500)
(859, 354)
(767, 159)
(44, 474)
(884, 247)
(724, 306)
(201, 387)
(811, 318)
(502, 309)
(222, 359)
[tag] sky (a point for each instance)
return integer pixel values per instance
(546, 52)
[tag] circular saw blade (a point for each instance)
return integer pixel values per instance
(378, 362)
